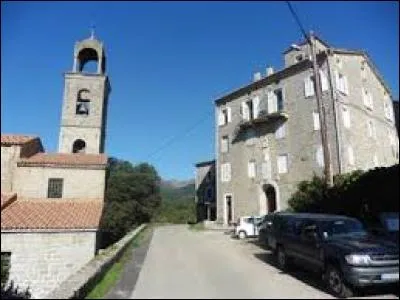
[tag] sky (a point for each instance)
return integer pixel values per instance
(167, 63)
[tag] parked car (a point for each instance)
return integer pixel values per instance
(385, 225)
(247, 226)
(338, 247)
(265, 229)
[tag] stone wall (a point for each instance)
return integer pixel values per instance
(78, 183)
(9, 158)
(41, 261)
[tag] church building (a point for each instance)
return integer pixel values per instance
(52, 203)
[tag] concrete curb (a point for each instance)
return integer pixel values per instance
(78, 284)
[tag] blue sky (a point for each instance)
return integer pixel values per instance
(168, 62)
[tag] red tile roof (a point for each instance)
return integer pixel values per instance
(52, 214)
(72, 159)
(7, 198)
(16, 139)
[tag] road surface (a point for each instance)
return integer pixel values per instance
(183, 263)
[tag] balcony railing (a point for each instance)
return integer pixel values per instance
(264, 117)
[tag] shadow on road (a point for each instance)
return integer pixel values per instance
(314, 279)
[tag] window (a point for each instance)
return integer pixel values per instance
(280, 132)
(387, 108)
(320, 156)
(339, 63)
(341, 83)
(266, 169)
(299, 57)
(247, 110)
(55, 188)
(279, 98)
(309, 86)
(371, 129)
(367, 98)
(316, 120)
(350, 155)
(282, 163)
(225, 144)
(226, 172)
(82, 103)
(256, 106)
(346, 117)
(251, 169)
(224, 116)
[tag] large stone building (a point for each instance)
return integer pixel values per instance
(52, 203)
(268, 132)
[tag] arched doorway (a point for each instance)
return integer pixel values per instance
(79, 146)
(270, 194)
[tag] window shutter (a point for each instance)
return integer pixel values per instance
(256, 106)
(346, 117)
(251, 169)
(370, 100)
(316, 121)
(282, 164)
(345, 85)
(365, 96)
(376, 162)
(224, 144)
(308, 87)
(228, 109)
(324, 81)
(228, 172)
(320, 156)
(270, 96)
(337, 80)
(280, 132)
(221, 119)
(245, 110)
(350, 155)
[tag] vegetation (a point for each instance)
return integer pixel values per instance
(356, 194)
(132, 197)
(9, 291)
(177, 205)
(112, 276)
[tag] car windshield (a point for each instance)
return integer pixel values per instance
(344, 227)
(392, 223)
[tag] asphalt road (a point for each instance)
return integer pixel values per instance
(183, 263)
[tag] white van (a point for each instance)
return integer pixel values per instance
(247, 226)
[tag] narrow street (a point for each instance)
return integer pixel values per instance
(183, 263)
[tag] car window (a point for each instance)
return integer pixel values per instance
(341, 227)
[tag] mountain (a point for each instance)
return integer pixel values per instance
(175, 190)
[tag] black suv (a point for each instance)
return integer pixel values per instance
(338, 247)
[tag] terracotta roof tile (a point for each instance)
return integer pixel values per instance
(52, 214)
(7, 198)
(16, 139)
(74, 159)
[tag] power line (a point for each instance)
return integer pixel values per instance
(185, 133)
(297, 20)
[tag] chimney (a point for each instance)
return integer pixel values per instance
(270, 71)
(257, 76)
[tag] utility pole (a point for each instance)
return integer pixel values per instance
(321, 112)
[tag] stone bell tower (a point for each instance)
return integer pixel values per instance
(84, 111)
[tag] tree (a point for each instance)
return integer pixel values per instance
(132, 197)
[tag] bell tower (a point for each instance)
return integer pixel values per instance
(84, 110)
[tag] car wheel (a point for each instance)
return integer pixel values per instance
(336, 284)
(282, 258)
(242, 235)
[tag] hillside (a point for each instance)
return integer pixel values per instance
(178, 191)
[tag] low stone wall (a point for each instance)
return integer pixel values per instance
(79, 284)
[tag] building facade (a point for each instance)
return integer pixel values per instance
(52, 203)
(268, 132)
(205, 197)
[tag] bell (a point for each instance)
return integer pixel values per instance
(82, 108)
